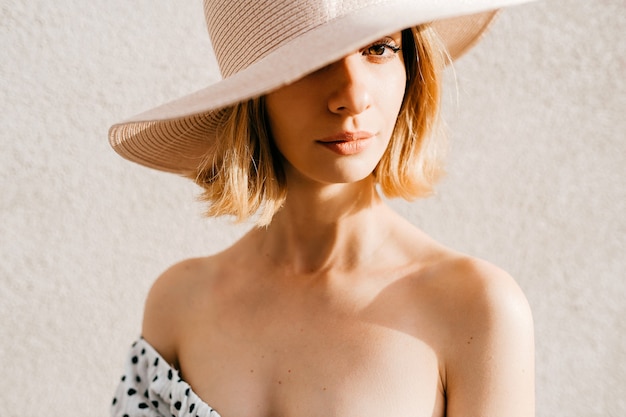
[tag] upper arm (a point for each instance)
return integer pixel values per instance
(490, 365)
(166, 308)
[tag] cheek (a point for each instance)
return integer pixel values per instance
(391, 95)
(399, 86)
(283, 126)
(293, 114)
(278, 115)
(285, 111)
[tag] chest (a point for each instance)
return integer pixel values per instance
(332, 366)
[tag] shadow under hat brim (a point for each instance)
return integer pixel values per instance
(175, 137)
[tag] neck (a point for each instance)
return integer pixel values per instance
(333, 228)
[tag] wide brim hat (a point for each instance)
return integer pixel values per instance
(263, 45)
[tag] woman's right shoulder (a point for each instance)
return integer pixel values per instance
(174, 298)
(184, 276)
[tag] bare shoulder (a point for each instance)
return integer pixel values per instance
(483, 291)
(173, 296)
(475, 298)
(462, 294)
(488, 356)
(457, 283)
(479, 324)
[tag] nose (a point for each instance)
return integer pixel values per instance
(349, 81)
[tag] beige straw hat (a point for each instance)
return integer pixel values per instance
(261, 45)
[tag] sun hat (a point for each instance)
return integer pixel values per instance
(261, 45)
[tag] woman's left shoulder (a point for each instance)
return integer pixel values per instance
(451, 283)
(481, 294)
(485, 339)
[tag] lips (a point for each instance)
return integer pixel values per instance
(347, 143)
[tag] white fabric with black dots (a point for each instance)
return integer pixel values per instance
(150, 387)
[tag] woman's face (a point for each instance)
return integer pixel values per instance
(333, 125)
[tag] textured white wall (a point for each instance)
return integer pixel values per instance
(536, 185)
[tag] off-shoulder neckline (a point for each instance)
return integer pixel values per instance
(171, 370)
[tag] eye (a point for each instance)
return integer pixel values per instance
(382, 48)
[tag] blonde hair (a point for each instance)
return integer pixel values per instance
(412, 163)
(243, 176)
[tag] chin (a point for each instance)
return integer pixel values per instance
(347, 175)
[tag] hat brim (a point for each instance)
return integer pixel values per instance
(176, 136)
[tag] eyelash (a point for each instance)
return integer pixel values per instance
(386, 43)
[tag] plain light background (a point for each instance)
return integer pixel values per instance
(535, 185)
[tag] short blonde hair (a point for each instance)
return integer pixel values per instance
(243, 175)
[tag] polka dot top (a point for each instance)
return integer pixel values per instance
(150, 387)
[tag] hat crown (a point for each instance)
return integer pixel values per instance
(244, 31)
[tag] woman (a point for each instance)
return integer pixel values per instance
(334, 305)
